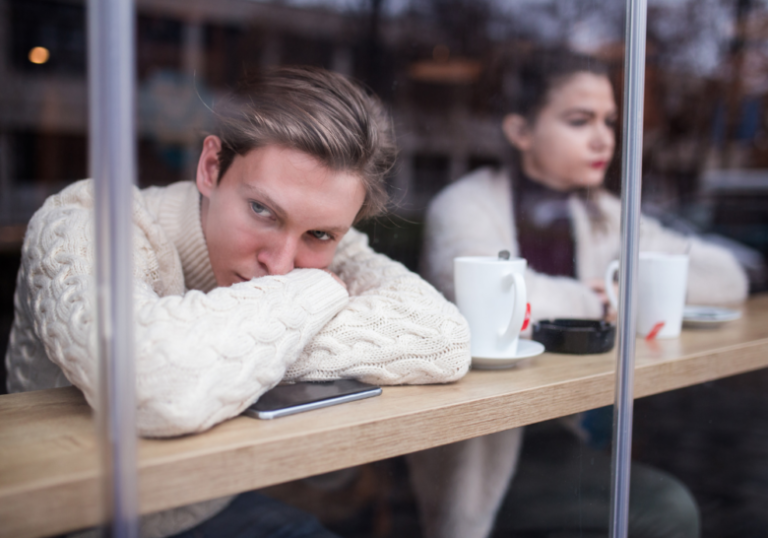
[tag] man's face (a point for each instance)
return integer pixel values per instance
(275, 209)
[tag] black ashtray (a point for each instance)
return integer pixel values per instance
(575, 336)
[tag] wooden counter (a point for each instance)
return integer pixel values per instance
(49, 467)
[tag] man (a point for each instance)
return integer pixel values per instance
(251, 275)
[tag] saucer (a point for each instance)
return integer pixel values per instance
(525, 349)
(708, 316)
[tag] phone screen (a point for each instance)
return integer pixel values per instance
(303, 396)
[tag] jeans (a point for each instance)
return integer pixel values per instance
(252, 515)
(562, 489)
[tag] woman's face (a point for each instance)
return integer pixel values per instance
(570, 143)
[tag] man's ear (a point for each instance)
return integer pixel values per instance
(516, 130)
(208, 165)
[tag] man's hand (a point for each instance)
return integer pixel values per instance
(336, 278)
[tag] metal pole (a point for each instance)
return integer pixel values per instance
(634, 84)
(111, 66)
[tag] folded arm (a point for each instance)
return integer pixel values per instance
(200, 358)
(396, 328)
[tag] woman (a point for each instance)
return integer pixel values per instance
(551, 209)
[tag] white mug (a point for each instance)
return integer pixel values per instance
(661, 284)
(490, 293)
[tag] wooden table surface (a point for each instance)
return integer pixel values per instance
(50, 472)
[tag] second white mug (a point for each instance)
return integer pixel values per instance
(662, 281)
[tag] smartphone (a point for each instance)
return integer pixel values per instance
(307, 395)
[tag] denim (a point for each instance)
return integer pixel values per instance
(562, 489)
(252, 515)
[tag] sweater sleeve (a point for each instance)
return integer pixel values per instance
(396, 328)
(199, 358)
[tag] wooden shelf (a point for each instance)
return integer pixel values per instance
(49, 466)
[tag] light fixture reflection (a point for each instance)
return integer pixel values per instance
(39, 55)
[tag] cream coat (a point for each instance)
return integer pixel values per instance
(460, 486)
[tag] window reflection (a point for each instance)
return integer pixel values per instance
(46, 37)
(443, 68)
(705, 174)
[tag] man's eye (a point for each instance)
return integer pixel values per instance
(322, 236)
(260, 209)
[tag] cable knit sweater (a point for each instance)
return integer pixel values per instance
(203, 353)
(460, 486)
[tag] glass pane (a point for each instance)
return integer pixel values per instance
(43, 113)
(448, 74)
(507, 119)
(704, 177)
(46, 338)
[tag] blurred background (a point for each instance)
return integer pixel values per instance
(441, 67)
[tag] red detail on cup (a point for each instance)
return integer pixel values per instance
(527, 319)
(655, 330)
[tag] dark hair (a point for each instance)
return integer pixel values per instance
(538, 74)
(317, 112)
(542, 71)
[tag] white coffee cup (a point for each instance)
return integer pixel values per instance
(661, 285)
(490, 293)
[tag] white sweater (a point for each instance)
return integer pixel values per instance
(204, 354)
(460, 486)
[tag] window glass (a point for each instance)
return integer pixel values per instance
(447, 73)
(704, 176)
(508, 124)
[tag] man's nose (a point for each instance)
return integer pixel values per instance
(279, 257)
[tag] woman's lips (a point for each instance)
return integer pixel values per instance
(598, 165)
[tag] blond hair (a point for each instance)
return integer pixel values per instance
(317, 112)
